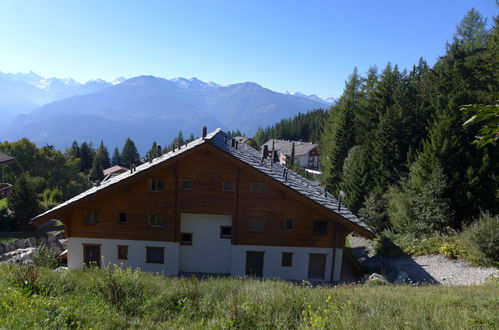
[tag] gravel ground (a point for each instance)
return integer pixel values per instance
(433, 269)
(443, 270)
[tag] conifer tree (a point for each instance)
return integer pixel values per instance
(102, 156)
(153, 151)
(23, 201)
(87, 156)
(96, 173)
(116, 160)
(355, 178)
(339, 134)
(129, 154)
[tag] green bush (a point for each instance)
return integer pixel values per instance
(45, 257)
(483, 239)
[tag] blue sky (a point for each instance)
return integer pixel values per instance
(309, 46)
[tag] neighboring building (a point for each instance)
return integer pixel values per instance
(4, 186)
(306, 154)
(213, 206)
(113, 171)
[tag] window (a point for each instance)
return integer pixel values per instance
(225, 231)
(228, 186)
(156, 185)
(155, 255)
(258, 187)
(289, 226)
(123, 252)
(186, 184)
(186, 238)
(287, 259)
(256, 225)
(320, 227)
(91, 217)
(122, 217)
(156, 220)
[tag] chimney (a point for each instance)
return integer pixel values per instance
(275, 156)
(205, 130)
(233, 143)
(237, 143)
(131, 168)
(265, 151)
(158, 151)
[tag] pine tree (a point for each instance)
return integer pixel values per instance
(23, 201)
(87, 156)
(129, 154)
(116, 160)
(102, 155)
(339, 134)
(152, 153)
(471, 32)
(96, 173)
(355, 178)
(387, 158)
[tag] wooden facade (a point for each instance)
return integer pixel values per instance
(207, 169)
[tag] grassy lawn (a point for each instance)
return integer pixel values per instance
(7, 237)
(104, 299)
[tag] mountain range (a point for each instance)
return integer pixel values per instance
(146, 108)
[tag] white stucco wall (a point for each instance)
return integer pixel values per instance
(136, 254)
(273, 257)
(303, 160)
(208, 253)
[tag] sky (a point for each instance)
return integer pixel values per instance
(309, 46)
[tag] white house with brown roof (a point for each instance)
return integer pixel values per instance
(306, 154)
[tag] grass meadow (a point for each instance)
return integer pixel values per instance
(111, 298)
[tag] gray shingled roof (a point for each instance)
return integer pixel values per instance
(246, 154)
(284, 146)
(4, 159)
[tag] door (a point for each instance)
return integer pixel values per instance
(317, 266)
(91, 255)
(254, 263)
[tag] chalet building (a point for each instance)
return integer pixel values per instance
(306, 154)
(212, 206)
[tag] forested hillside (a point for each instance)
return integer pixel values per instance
(397, 144)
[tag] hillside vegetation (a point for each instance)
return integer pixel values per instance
(112, 298)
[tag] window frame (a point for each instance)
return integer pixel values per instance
(225, 236)
(182, 242)
(119, 218)
(154, 185)
(283, 260)
(292, 225)
(156, 216)
(95, 218)
(118, 250)
(159, 248)
(188, 187)
(231, 182)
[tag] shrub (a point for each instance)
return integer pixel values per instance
(449, 250)
(483, 238)
(45, 257)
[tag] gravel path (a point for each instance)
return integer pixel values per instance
(443, 270)
(429, 269)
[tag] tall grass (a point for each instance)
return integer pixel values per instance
(113, 298)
